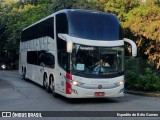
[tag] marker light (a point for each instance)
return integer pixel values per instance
(69, 46)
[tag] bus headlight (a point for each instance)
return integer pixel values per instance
(75, 83)
(121, 82)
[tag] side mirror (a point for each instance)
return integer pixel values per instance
(133, 45)
(66, 38)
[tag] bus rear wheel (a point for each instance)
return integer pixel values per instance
(24, 74)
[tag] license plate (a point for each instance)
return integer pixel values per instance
(99, 93)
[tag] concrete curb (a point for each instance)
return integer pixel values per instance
(150, 94)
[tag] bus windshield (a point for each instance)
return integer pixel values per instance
(91, 61)
(94, 26)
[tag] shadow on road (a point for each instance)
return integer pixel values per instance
(88, 100)
(5, 84)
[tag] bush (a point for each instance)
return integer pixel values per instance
(138, 80)
(151, 81)
(131, 78)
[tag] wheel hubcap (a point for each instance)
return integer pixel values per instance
(45, 82)
(52, 88)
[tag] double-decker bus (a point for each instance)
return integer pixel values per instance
(75, 53)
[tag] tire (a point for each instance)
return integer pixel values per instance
(24, 74)
(46, 84)
(52, 86)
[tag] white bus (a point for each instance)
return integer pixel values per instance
(76, 54)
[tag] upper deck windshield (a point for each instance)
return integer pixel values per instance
(95, 62)
(94, 26)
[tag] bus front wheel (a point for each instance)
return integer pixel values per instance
(46, 84)
(53, 87)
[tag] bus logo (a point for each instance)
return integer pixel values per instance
(100, 87)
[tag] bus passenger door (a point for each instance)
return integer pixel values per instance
(62, 80)
(62, 62)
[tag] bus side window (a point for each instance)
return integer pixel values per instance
(49, 60)
(41, 59)
(62, 23)
(32, 57)
(63, 59)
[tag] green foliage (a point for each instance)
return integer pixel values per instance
(17, 15)
(145, 24)
(131, 73)
(85, 4)
(138, 80)
(118, 7)
(146, 28)
(74, 4)
(151, 81)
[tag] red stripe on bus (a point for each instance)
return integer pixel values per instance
(68, 88)
(68, 76)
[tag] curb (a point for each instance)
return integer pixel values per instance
(149, 94)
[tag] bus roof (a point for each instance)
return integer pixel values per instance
(68, 11)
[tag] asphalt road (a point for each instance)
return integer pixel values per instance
(19, 95)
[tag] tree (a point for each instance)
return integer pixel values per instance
(144, 23)
(17, 15)
(74, 4)
(118, 7)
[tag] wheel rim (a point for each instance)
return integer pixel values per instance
(52, 86)
(45, 82)
(24, 74)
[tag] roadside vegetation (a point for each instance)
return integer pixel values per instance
(141, 76)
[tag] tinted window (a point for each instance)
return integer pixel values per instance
(49, 60)
(41, 58)
(62, 27)
(62, 59)
(61, 23)
(39, 30)
(94, 26)
(32, 57)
